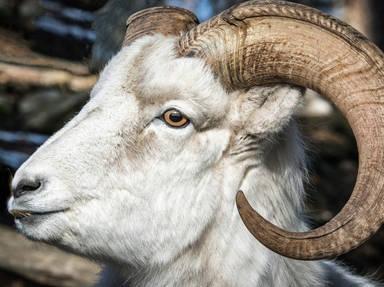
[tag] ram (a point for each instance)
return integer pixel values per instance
(188, 126)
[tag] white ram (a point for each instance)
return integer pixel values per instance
(146, 177)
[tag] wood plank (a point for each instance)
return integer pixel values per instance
(43, 263)
(20, 66)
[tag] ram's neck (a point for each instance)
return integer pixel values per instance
(275, 189)
(241, 264)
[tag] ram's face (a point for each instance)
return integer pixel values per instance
(138, 169)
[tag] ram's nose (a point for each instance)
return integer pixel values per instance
(26, 185)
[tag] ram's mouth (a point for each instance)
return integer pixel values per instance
(21, 214)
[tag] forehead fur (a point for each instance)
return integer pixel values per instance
(150, 71)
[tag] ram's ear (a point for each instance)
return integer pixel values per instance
(262, 112)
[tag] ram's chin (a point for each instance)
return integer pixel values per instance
(43, 227)
(54, 230)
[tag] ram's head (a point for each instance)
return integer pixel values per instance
(176, 122)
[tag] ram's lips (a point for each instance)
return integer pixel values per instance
(21, 214)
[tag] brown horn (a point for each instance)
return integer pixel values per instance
(165, 20)
(263, 42)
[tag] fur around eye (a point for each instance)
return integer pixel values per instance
(174, 118)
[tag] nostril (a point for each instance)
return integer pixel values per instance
(26, 185)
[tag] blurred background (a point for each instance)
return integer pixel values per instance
(51, 52)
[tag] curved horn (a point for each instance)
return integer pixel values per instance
(164, 20)
(263, 42)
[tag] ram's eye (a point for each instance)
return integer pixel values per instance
(175, 118)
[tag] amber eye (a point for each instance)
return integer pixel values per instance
(175, 118)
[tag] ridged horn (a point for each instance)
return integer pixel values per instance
(261, 42)
(165, 20)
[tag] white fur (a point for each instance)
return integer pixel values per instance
(156, 204)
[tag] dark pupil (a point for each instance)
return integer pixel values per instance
(175, 117)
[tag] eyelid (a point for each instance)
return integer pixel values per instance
(172, 107)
